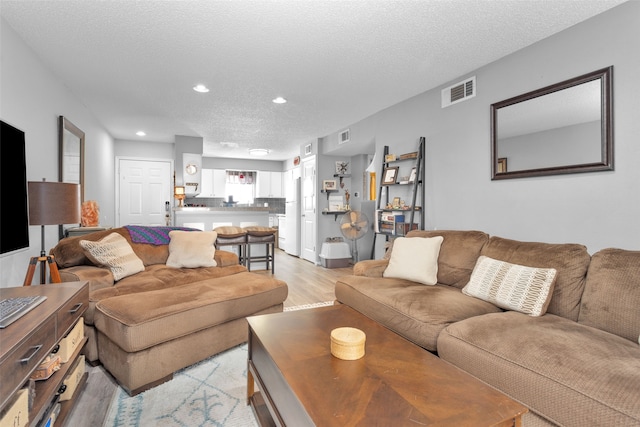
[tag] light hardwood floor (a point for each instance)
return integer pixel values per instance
(307, 284)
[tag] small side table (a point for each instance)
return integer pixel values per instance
(79, 231)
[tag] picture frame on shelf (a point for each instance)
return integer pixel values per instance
(342, 168)
(389, 175)
(412, 177)
(329, 185)
(396, 202)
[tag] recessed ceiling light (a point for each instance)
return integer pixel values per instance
(141, 133)
(279, 100)
(201, 88)
(258, 151)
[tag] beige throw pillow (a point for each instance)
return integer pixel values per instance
(512, 286)
(115, 253)
(415, 259)
(192, 249)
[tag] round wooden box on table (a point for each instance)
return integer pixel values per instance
(347, 343)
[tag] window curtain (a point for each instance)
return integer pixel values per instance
(241, 177)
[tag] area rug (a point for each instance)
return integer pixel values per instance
(210, 393)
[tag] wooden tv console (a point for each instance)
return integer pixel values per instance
(25, 343)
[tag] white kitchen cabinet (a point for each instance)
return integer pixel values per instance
(213, 183)
(207, 183)
(219, 182)
(269, 184)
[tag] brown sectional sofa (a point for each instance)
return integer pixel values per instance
(146, 326)
(576, 365)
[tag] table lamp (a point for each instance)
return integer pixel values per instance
(179, 193)
(50, 203)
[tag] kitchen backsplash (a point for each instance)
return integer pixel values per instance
(276, 205)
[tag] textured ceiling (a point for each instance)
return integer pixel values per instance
(134, 63)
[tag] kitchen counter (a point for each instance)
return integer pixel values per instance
(222, 209)
(208, 218)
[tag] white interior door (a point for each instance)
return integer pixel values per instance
(144, 192)
(308, 210)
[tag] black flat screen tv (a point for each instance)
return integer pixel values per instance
(14, 214)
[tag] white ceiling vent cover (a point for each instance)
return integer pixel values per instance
(459, 92)
(345, 136)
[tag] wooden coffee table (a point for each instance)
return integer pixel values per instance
(396, 383)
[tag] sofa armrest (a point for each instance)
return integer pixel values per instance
(97, 277)
(226, 258)
(370, 267)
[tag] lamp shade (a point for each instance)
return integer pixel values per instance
(53, 203)
(179, 190)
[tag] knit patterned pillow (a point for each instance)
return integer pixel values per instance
(115, 253)
(512, 286)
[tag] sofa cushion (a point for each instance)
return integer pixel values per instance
(571, 373)
(570, 260)
(512, 286)
(115, 253)
(459, 252)
(611, 299)
(191, 249)
(136, 322)
(415, 311)
(415, 259)
(69, 253)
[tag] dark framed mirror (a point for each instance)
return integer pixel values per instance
(71, 149)
(71, 158)
(563, 128)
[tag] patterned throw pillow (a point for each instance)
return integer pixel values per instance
(115, 253)
(192, 249)
(415, 259)
(512, 286)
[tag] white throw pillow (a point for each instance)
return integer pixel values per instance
(415, 259)
(512, 286)
(115, 253)
(192, 249)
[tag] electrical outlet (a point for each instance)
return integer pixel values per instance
(356, 194)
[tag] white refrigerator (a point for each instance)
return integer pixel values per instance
(292, 217)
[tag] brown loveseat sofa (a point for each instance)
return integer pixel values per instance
(146, 326)
(578, 364)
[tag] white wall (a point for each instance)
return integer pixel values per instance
(598, 209)
(32, 98)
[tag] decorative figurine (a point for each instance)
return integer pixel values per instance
(89, 214)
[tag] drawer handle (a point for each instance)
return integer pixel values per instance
(75, 308)
(34, 351)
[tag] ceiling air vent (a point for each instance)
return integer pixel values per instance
(459, 92)
(345, 136)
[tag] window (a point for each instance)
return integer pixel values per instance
(241, 185)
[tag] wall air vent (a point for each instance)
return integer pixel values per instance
(345, 136)
(459, 92)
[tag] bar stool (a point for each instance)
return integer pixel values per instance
(258, 235)
(233, 236)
